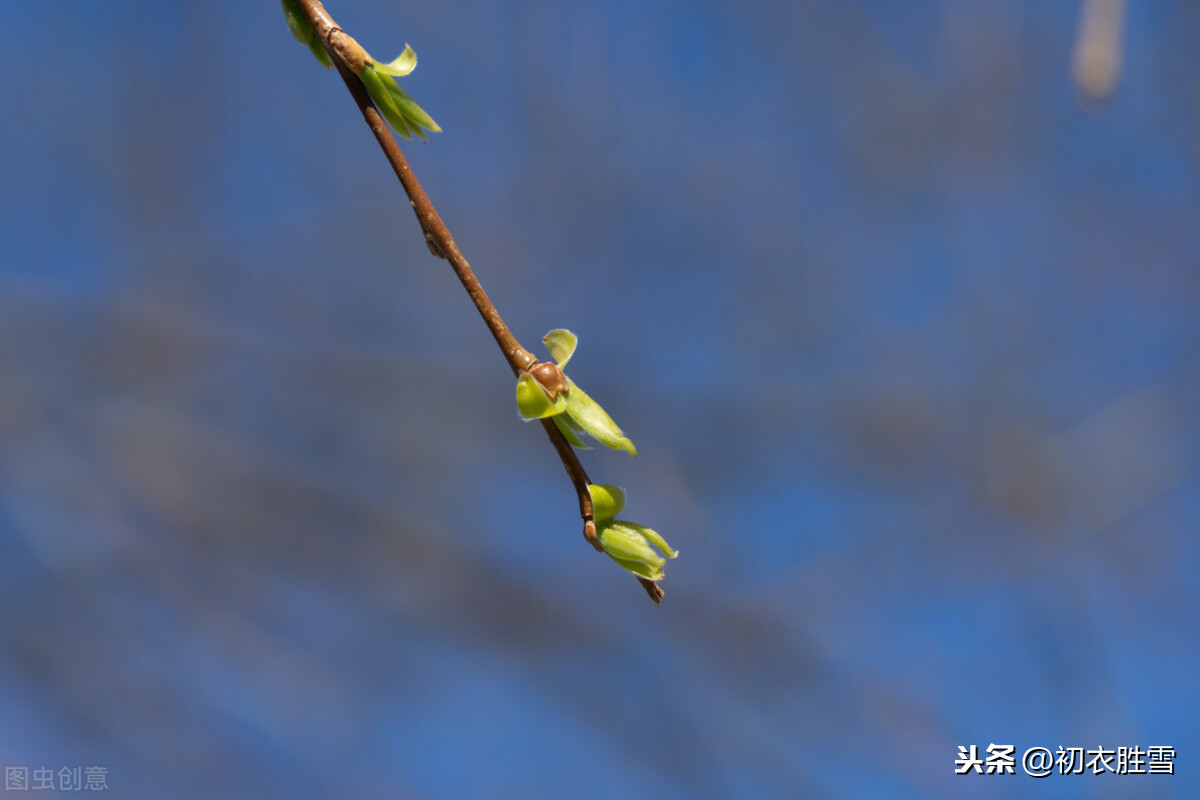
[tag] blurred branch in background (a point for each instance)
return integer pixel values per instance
(1096, 62)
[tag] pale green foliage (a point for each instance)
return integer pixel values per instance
(585, 415)
(607, 500)
(406, 117)
(402, 112)
(579, 414)
(560, 344)
(401, 65)
(532, 402)
(634, 547)
(304, 33)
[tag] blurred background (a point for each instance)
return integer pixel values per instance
(899, 302)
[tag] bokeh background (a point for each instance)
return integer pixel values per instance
(906, 332)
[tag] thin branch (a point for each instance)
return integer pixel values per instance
(437, 236)
(349, 57)
(579, 478)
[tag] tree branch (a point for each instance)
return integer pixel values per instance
(437, 236)
(349, 57)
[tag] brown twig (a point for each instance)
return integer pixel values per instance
(437, 236)
(349, 57)
(579, 478)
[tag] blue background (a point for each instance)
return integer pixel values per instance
(908, 340)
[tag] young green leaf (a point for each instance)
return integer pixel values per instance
(401, 111)
(633, 546)
(571, 431)
(561, 344)
(532, 401)
(587, 414)
(401, 65)
(607, 500)
(580, 414)
(304, 33)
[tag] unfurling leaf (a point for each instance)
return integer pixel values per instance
(304, 33)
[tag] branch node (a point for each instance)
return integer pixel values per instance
(433, 245)
(589, 533)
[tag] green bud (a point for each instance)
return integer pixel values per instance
(587, 414)
(573, 433)
(401, 111)
(583, 415)
(633, 546)
(607, 500)
(533, 402)
(304, 33)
